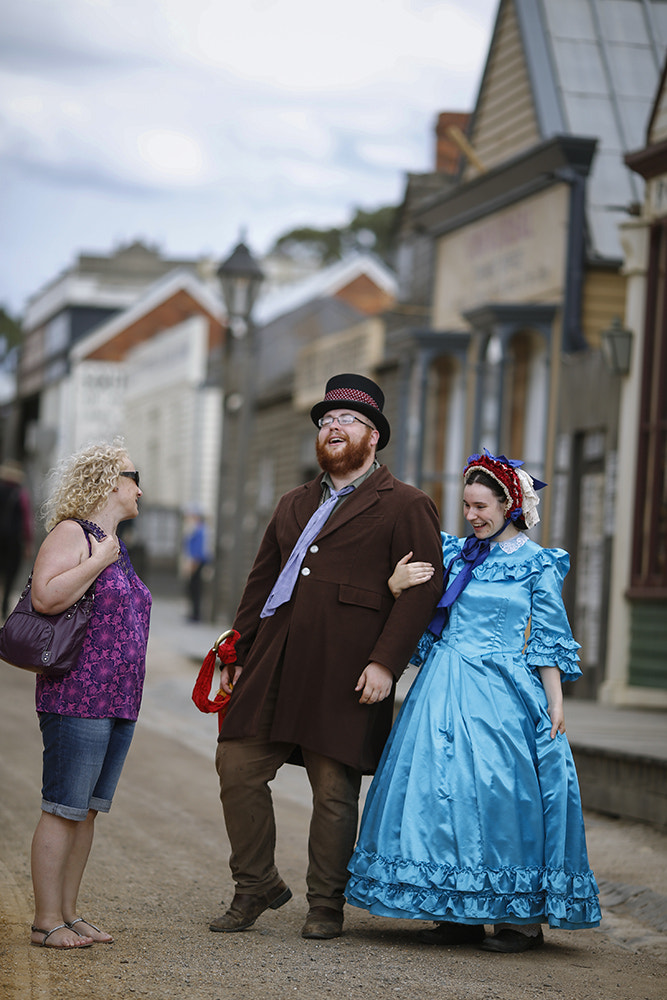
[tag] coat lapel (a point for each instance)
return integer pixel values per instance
(362, 499)
(307, 502)
(366, 496)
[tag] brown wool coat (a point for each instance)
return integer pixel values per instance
(341, 617)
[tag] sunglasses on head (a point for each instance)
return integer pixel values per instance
(132, 475)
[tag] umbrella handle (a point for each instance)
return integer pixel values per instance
(221, 638)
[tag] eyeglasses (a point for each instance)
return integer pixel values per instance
(344, 421)
(132, 475)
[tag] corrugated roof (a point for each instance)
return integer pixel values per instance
(594, 67)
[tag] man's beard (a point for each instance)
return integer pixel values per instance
(348, 459)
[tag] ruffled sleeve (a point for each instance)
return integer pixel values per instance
(451, 547)
(551, 643)
(424, 647)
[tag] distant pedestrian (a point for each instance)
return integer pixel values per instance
(474, 816)
(16, 528)
(197, 558)
(87, 717)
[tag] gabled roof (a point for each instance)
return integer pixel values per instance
(106, 281)
(657, 126)
(324, 284)
(592, 68)
(176, 283)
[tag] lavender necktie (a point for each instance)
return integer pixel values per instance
(284, 585)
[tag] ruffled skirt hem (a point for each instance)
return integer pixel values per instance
(561, 899)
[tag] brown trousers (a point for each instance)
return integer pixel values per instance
(245, 768)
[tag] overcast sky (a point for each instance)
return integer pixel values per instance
(181, 121)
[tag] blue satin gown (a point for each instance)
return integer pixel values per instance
(474, 815)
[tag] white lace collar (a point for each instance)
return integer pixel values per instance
(513, 544)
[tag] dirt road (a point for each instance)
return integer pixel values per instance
(158, 873)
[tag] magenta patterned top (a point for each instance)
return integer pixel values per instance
(108, 680)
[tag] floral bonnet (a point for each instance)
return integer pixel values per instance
(519, 487)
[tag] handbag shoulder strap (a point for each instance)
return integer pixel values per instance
(89, 528)
(94, 529)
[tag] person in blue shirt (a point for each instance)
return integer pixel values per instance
(197, 557)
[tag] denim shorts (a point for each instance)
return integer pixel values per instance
(82, 762)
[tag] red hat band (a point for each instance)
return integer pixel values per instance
(350, 396)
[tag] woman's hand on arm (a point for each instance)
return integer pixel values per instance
(407, 574)
(63, 568)
(551, 683)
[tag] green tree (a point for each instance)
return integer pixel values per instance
(382, 224)
(322, 244)
(10, 332)
(367, 230)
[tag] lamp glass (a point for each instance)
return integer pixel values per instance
(617, 347)
(240, 277)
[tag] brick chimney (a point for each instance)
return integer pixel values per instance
(447, 152)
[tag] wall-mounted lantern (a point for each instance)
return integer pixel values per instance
(617, 347)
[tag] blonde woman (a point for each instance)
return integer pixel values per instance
(87, 717)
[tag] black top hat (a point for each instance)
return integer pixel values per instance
(355, 392)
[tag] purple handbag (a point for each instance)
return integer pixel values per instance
(46, 644)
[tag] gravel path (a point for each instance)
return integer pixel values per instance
(159, 872)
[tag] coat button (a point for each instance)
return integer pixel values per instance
(314, 548)
(305, 571)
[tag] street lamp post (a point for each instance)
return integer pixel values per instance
(240, 277)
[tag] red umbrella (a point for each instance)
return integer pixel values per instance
(224, 650)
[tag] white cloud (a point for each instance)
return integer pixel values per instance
(183, 120)
(170, 155)
(386, 154)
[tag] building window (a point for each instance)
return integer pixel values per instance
(526, 395)
(443, 439)
(649, 560)
(57, 333)
(438, 402)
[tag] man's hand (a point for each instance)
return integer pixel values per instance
(229, 675)
(375, 684)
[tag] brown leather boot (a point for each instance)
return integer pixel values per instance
(323, 922)
(246, 908)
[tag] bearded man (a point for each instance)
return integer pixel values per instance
(322, 645)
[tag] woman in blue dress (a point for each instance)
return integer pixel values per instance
(474, 816)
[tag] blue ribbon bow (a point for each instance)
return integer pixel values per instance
(474, 552)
